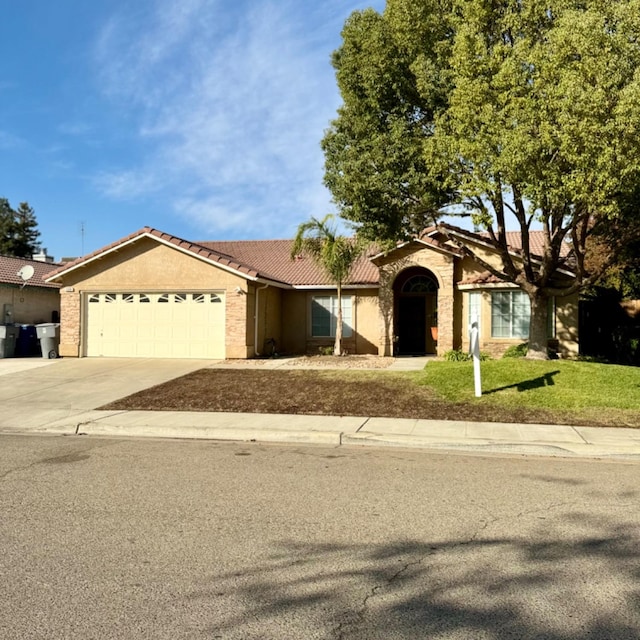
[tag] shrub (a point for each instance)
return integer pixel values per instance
(458, 355)
(516, 351)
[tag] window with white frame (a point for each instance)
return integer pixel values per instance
(510, 314)
(324, 316)
(475, 299)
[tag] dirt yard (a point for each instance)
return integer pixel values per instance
(315, 392)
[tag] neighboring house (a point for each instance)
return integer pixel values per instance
(31, 301)
(155, 295)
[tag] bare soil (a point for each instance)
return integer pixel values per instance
(316, 392)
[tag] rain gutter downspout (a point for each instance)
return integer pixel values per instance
(255, 328)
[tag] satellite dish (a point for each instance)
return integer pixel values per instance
(26, 273)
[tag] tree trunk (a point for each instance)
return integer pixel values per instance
(538, 347)
(337, 348)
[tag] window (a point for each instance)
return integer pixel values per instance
(164, 297)
(94, 298)
(420, 284)
(510, 314)
(475, 299)
(179, 298)
(144, 298)
(324, 316)
(201, 298)
(128, 298)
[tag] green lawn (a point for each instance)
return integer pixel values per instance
(583, 387)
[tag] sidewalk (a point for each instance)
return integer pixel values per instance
(487, 437)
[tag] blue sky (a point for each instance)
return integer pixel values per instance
(202, 118)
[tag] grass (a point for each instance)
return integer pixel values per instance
(552, 392)
(548, 384)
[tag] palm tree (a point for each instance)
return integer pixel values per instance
(334, 254)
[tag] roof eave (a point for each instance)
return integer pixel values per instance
(512, 252)
(429, 245)
(251, 275)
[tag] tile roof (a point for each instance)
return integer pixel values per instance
(514, 239)
(9, 267)
(272, 259)
(485, 277)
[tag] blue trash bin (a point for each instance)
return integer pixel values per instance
(27, 343)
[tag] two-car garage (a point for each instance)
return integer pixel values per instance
(155, 324)
(154, 295)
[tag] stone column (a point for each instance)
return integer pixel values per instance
(236, 320)
(70, 310)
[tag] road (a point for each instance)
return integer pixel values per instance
(114, 538)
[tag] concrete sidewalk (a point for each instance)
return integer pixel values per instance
(530, 439)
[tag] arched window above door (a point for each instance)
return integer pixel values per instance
(420, 284)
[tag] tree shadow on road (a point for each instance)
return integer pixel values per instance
(572, 579)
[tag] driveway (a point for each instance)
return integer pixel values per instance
(35, 392)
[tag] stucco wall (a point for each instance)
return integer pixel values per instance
(367, 321)
(148, 266)
(296, 322)
(269, 311)
(567, 323)
(31, 305)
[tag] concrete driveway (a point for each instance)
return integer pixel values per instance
(35, 392)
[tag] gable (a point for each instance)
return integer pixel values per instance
(148, 264)
(406, 250)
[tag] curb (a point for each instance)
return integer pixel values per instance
(359, 439)
(557, 450)
(212, 433)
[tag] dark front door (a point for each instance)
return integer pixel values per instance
(412, 325)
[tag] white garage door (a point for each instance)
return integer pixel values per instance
(160, 325)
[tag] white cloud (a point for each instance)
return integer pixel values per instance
(125, 185)
(232, 100)
(75, 129)
(9, 140)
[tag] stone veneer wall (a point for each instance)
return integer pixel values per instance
(443, 267)
(70, 311)
(237, 324)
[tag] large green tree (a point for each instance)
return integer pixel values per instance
(509, 111)
(333, 253)
(18, 230)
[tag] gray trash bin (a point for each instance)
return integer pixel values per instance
(49, 336)
(8, 339)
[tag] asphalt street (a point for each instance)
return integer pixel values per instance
(126, 538)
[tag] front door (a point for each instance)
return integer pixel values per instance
(412, 325)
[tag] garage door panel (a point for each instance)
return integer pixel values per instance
(155, 325)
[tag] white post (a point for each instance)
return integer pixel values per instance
(474, 350)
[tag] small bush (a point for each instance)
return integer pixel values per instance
(516, 351)
(458, 355)
(325, 351)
